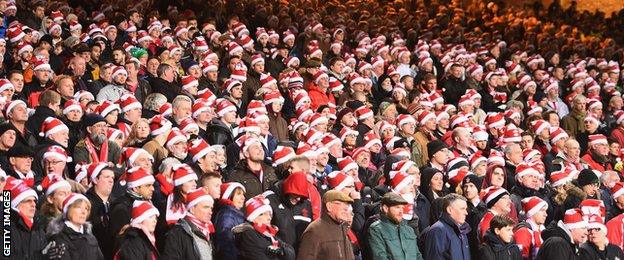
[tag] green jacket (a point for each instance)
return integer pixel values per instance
(391, 241)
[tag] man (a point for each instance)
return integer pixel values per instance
(42, 79)
(219, 130)
(165, 84)
(447, 238)
(462, 139)
(132, 111)
(597, 157)
(20, 166)
(422, 137)
(498, 202)
(55, 132)
(390, 237)
(527, 185)
(28, 237)
(181, 108)
(139, 187)
(190, 237)
(140, 87)
(366, 122)
(330, 229)
(252, 84)
(573, 122)
(78, 69)
(102, 178)
(17, 114)
(513, 157)
(527, 234)
(563, 238)
(49, 105)
(454, 85)
(95, 147)
(252, 172)
(438, 154)
(203, 157)
(569, 157)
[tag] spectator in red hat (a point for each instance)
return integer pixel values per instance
(138, 241)
(165, 84)
(597, 155)
(139, 186)
(562, 238)
(229, 213)
(573, 122)
(101, 178)
(252, 172)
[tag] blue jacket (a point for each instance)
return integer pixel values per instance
(227, 217)
(446, 240)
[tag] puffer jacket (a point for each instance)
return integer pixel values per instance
(77, 245)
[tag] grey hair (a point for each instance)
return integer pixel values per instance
(168, 162)
(180, 98)
(162, 68)
(508, 148)
(154, 101)
(450, 199)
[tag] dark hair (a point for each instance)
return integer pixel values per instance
(162, 68)
(500, 221)
(13, 72)
(333, 60)
(207, 176)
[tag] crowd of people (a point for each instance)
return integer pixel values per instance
(310, 130)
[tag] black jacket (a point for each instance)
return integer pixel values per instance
(120, 213)
(291, 220)
(253, 185)
(179, 242)
(135, 245)
(36, 120)
(453, 88)
(494, 248)
(26, 243)
(218, 133)
(169, 89)
(589, 251)
(77, 245)
(253, 245)
(100, 221)
(557, 244)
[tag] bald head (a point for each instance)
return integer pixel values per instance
(78, 65)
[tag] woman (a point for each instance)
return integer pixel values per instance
(498, 240)
(432, 187)
(56, 189)
(139, 134)
(73, 230)
(229, 215)
(184, 180)
(257, 238)
(138, 241)
(278, 126)
(496, 176)
(110, 112)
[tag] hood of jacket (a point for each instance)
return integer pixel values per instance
(57, 226)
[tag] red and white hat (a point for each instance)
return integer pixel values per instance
(23, 47)
(282, 154)
(619, 115)
(272, 97)
(182, 173)
(479, 134)
(556, 134)
(41, 64)
(15, 34)
(130, 154)
(197, 196)
(363, 113)
(119, 70)
(52, 182)
(224, 106)
(532, 205)
(524, 169)
(597, 139)
(370, 139)
(175, 136)
(346, 164)
(404, 119)
(70, 105)
(593, 207)
(52, 125)
(189, 82)
(335, 85)
(137, 176)
(199, 148)
(573, 219)
(107, 107)
(142, 210)
(316, 119)
(266, 80)
(337, 180)
(159, 125)
(56, 152)
(200, 106)
(19, 193)
(306, 150)
(425, 116)
(492, 194)
(71, 199)
(511, 135)
(94, 170)
(256, 206)
(227, 189)
(187, 125)
(129, 102)
(400, 180)
(495, 120)
(539, 125)
(562, 177)
(617, 190)
(456, 176)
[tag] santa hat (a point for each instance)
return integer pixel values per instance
(119, 70)
(159, 125)
(306, 150)
(617, 190)
(189, 82)
(479, 134)
(335, 85)
(256, 107)
(346, 164)
(316, 119)
(404, 119)
(52, 182)
(257, 206)
(19, 193)
(529, 153)
(187, 125)
(573, 219)
(556, 134)
(15, 34)
(492, 194)
(182, 173)
(70, 105)
(267, 80)
(175, 136)
(227, 189)
(524, 169)
(41, 64)
(337, 180)
(457, 175)
(51, 126)
(107, 107)
(71, 199)
(282, 154)
(272, 97)
(199, 148)
(562, 177)
(129, 102)
(495, 120)
(476, 158)
(511, 135)
(593, 207)
(197, 196)
(130, 154)
(56, 152)
(425, 116)
(142, 210)
(532, 205)
(137, 176)
(94, 170)
(597, 139)
(224, 106)
(370, 139)
(23, 47)
(400, 180)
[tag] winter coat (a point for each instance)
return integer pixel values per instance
(185, 241)
(169, 89)
(135, 245)
(100, 221)
(589, 251)
(27, 243)
(81, 153)
(388, 240)
(446, 240)
(253, 186)
(573, 123)
(121, 212)
(615, 226)
(494, 248)
(520, 192)
(27, 138)
(77, 245)
(227, 217)
(557, 243)
(253, 245)
(319, 97)
(111, 92)
(453, 89)
(292, 220)
(278, 127)
(325, 239)
(218, 133)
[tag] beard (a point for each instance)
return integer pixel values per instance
(97, 138)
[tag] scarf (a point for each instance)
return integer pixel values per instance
(147, 233)
(28, 221)
(268, 231)
(353, 238)
(205, 227)
(103, 156)
(174, 212)
(28, 179)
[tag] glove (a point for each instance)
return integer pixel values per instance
(275, 250)
(618, 166)
(53, 250)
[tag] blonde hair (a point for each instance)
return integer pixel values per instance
(132, 137)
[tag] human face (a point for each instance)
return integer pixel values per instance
(601, 149)
(61, 137)
(255, 152)
(104, 181)
(505, 233)
(540, 217)
(591, 189)
(182, 110)
(498, 177)
(152, 66)
(596, 235)
(58, 196)
(515, 155)
(338, 211)
(238, 198)
(408, 128)
(441, 157)
(458, 210)
(503, 205)
(203, 211)
(18, 81)
(437, 182)
(572, 149)
(8, 138)
(189, 186)
(580, 105)
(394, 213)
(28, 207)
(263, 219)
(579, 235)
(144, 162)
(530, 181)
(22, 164)
(213, 186)
(74, 115)
(338, 67)
(53, 165)
(150, 223)
(145, 191)
(111, 118)
(470, 191)
(527, 142)
(78, 212)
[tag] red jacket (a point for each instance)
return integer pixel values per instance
(528, 240)
(484, 225)
(614, 231)
(594, 165)
(618, 134)
(319, 97)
